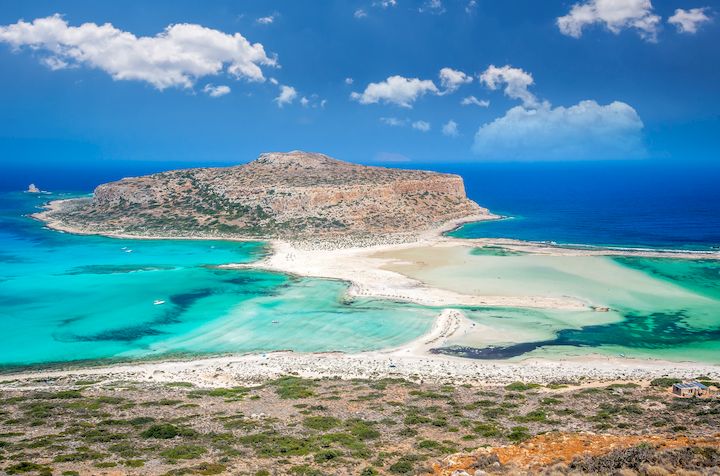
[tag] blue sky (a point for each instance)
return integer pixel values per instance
(541, 81)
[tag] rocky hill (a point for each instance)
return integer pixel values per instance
(295, 195)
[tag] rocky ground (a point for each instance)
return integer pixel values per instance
(295, 426)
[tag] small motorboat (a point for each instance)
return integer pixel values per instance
(276, 322)
(158, 302)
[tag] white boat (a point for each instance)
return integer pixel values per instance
(157, 302)
(276, 322)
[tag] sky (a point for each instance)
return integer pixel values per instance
(370, 81)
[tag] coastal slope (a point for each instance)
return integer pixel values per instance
(289, 196)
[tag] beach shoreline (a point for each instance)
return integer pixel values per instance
(411, 361)
(367, 276)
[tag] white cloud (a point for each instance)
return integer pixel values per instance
(396, 90)
(55, 63)
(266, 20)
(323, 103)
(475, 102)
(349, 81)
(216, 91)
(360, 13)
(450, 129)
(452, 79)
(304, 101)
(584, 131)
(421, 126)
(178, 56)
(385, 3)
(394, 121)
(273, 81)
(287, 95)
(688, 21)
(516, 83)
(432, 6)
(616, 15)
(470, 7)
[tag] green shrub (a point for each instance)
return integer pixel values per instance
(362, 429)
(520, 386)
(304, 470)
(533, 416)
(26, 467)
(322, 423)
(293, 387)
(183, 452)
(663, 382)
(165, 431)
(518, 434)
(486, 430)
(326, 456)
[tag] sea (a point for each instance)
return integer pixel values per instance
(66, 298)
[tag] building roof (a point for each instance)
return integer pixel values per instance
(690, 385)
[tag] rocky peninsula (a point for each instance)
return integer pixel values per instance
(288, 196)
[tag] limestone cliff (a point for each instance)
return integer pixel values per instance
(295, 195)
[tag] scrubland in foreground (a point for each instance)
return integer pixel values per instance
(295, 426)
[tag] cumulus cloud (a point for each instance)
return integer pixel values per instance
(395, 90)
(385, 3)
(287, 95)
(615, 15)
(178, 56)
(216, 91)
(266, 20)
(360, 13)
(393, 121)
(472, 100)
(435, 7)
(688, 21)
(349, 80)
(450, 129)
(452, 79)
(584, 131)
(515, 80)
(421, 126)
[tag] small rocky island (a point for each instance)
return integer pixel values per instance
(293, 196)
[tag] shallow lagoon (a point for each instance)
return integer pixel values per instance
(658, 308)
(66, 298)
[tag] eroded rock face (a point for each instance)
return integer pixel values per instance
(279, 195)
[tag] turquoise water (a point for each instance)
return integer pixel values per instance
(659, 308)
(75, 298)
(65, 298)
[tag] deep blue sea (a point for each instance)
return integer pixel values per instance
(618, 204)
(637, 204)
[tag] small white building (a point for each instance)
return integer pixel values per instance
(690, 389)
